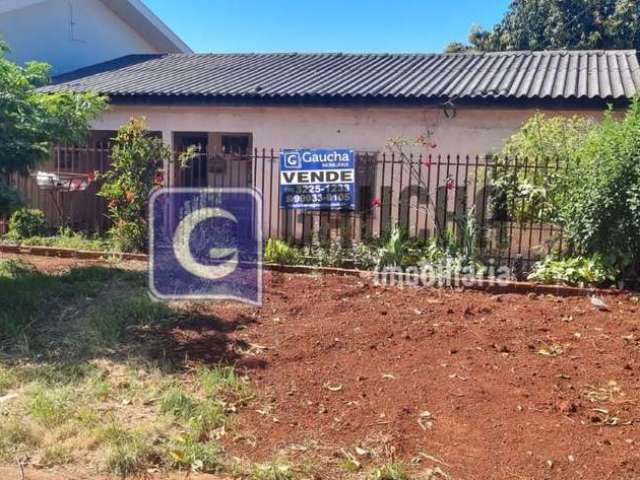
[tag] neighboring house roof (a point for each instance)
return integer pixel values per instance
(133, 12)
(548, 75)
(148, 25)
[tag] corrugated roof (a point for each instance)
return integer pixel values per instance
(606, 75)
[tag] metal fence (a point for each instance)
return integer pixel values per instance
(424, 195)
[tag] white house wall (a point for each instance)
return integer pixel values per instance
(69, 34)
(472, 131)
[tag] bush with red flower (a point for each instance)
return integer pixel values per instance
(138, 158)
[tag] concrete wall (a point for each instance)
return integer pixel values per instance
(472, 131)
(69, 34)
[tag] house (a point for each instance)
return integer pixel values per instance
(467, 104)
(69, 34)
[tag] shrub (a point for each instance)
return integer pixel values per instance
(528, 194)
(594, 270)
(280, 252)
(137, 158)
(27, 222)
(599, 205)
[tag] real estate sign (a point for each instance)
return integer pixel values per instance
(317, 179)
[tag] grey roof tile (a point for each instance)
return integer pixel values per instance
(602, 74)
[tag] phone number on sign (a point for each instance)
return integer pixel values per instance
(324, 197)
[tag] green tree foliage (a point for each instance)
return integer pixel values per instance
(562, 24)
(31, 122)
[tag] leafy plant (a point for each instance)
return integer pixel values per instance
(31, 122)
(27, 222)
(272, 471)
(599, 202)
(137, 157)
(526, 178)
(397, 249)
(187, 452)
(575, 271)
(280, 252)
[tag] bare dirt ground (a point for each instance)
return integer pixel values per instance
(481, 386)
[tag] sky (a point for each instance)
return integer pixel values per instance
(223, 26)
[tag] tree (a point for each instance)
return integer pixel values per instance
(563, 24)
(31, 122)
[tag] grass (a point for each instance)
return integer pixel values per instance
(30, 297)
(71, 350)
(223, 380)
(273, 471)
(127, 452)
(50, 407)
(90, 395)
(65, 238)
(391, 471)
(56, 455)
(191, 454)
(16, 438)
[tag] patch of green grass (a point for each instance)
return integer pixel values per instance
(127, 452)
(55, 373)
(222, 380)
(201, 416)
(188, 453)
(178, 403)
(30, 298)
(66, 238)
(272, 471)
(16, 267)
(107, 323)
(391, 471)
(208, 416)
(56, 455)
(51, 406)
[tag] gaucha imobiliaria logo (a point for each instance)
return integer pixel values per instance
(206, 244)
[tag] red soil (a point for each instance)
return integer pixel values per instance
(483, 386)
(511, 383)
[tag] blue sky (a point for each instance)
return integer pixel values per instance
(325, 25)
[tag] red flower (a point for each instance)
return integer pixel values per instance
(91, 176)
(159, 178)
(113, 204)
(450, 184)
(376, 202)
(426, 162)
